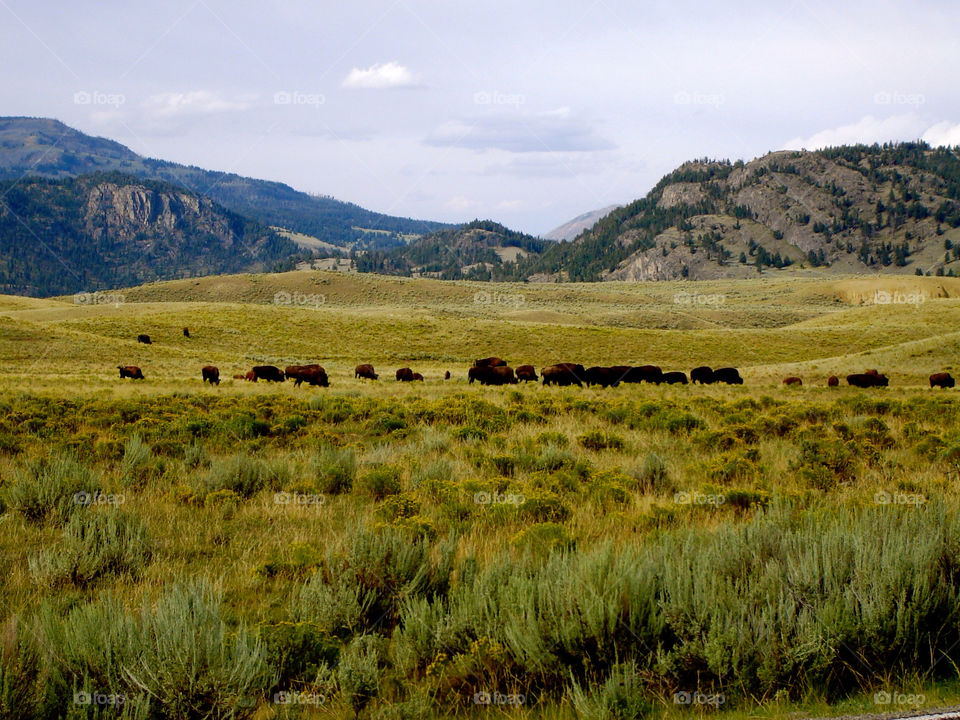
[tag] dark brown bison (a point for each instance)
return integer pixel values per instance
(527, 373)
(833, 381)
(310, 374)
(644, 373)
(404, 375)
(728, 375)
(446, 375)
(702, 375)
(251, 376)
(498, 375)
(867, 379)
(270, 373)
(211, 374)
(792, 380)
(942, 380)
(417, 377)
(130, 371)
(563, 374)
(145, 339)
(602, 376)
(186, 332)
(365, 371)
(490, 362)
(675, 378)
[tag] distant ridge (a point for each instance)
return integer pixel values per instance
(570, 229)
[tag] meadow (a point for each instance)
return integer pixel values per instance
(387, 550)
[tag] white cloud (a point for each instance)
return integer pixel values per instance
(459, 203)
(196, 102)
(380, 76)
(943, 133)
(867, 130)
(550, 132)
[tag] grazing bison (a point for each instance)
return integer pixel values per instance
(867, 379)
(310, 374)
(498, 375)
(417, 377)
(186, 332)
(145, 339)
(792, 380)
(404, 375)
(446, 375)
(833, 381)
(130, 371)
(644, 373)
(211, 374)
(563, 374)
(676, 377)
(602, 376)
(728, 375)
(527, 373)
(942, 380)
(365, 371)
(270, 373)
(489, 362)
(702, 375)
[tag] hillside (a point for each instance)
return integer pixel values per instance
(480, 250)
(570, 229)
(106, 230)
(894, 208)
(48, 148)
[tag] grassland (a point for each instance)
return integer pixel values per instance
(390, 551)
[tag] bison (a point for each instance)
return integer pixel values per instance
(417, 377)
(404, 375)
(497, 375)
(702, 375)
(211, 374)
(674, 378)
(251, 376)
(941, 380)
(270, 373)
(792, 380)
(130, 371)
(186, 332)
(310, 374)
(644, 373)
(527, 373)
(145, 339)
(833, 381)
(728, 375)
(365, 371)
(563, 374)
(867, 379)
(602, 376)
(446, 375)
(489, 362)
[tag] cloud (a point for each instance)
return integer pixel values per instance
(869, 130)
(520, 133)
(380, 76)
(196, 102)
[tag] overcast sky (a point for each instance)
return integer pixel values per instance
(526, 112)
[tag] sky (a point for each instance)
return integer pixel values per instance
(525, 112)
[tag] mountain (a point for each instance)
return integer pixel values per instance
(570, 229)
(480, 250)
(852, 209)
(48, 148)
(106, 230)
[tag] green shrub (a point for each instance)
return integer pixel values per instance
(599, 440)
(239, 473)
(335, 469)
(381, 481)
(136, 457)
(619, 697)
(358, 672)
(543, 508)
(542, 538)
(296, 652)
(470, 432)
(47, 488)
(653, 475)
(21, 670)
(558, 439)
